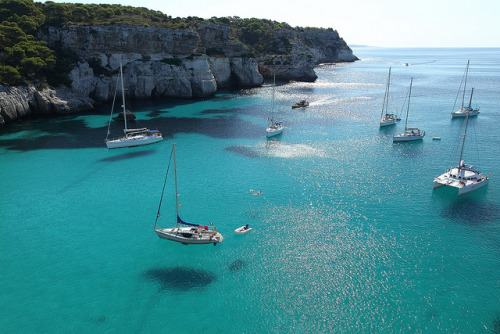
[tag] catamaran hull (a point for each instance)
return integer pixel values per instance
(132, 142)
(186, 238)
(470, 188)
(463, 188)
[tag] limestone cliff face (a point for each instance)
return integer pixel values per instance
(18, 102)
(160, 62)
(325, 46)
(157, 62)
(305, 49)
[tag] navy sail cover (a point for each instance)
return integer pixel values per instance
(180, 221)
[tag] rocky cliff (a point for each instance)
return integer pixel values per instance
(160, 62)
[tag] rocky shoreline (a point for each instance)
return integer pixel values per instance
(161, 62)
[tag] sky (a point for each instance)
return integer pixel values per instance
(386, 23)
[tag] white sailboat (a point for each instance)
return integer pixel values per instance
(386, 118)
(185, 233)
(410, 134)
(132, 137)
(275, 127)
(465, 110)
(466, 178)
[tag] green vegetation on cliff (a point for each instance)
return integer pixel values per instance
(23, 58)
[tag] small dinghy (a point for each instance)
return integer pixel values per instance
(243, 229)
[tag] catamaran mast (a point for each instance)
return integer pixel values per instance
(463, 142)
(176, 194)
(123, 102)
(408, 109)
(385, 105)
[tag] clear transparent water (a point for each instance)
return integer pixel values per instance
(349, 236)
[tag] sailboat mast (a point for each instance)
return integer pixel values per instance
(385, 105)
(176, 194)
(123, 101)
(408, 108)
(470, 101)
(274, 88)
(465, 82)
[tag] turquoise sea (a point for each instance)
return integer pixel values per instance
(349, 236)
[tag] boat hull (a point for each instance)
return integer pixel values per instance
(242, 230)
(387, 122)
(187, 237)
(465, 112)
(472, 187)
(272, 132)
(465, 181)
(462, 189)
(403, 138)
(133, 141)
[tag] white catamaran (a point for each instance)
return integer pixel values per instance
(466, 178)
(133, 137)
(410, 134)
(188, 233)
(465, 110)
(386, 118)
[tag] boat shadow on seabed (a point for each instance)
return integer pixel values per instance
(180, 278)
(470, 209)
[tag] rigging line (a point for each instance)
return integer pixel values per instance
(403, 106)
(456, 147)
(460, 141)
(112, 107)
(464, 76)
(163, 190)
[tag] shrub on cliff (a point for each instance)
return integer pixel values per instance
(10, 76)
(22, 57)
(257, 34)
(20, 51)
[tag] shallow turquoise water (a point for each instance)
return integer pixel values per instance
(349, 236)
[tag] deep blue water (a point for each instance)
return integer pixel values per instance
(349, 236)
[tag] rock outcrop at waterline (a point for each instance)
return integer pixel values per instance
(159, 62)
(19, 102)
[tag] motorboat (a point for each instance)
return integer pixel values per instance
(300, 104)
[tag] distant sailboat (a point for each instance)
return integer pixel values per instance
(466, 178)
(275, 127)
(185, 233)
(386, 118)
(466, 110)
(410, 134)
(133, 137)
